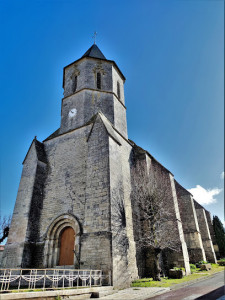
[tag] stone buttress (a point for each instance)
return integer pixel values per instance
(190, 225)
(24, 229)
(205, 233)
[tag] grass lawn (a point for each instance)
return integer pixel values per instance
(149, 282)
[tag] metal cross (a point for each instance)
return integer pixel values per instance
(94, 36)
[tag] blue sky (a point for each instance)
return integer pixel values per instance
(171, 53)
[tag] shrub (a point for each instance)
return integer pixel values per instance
(193, 268)
(178, 268)
(221, 262)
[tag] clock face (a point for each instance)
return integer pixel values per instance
(72, 113)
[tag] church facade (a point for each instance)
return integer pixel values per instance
(77, 203)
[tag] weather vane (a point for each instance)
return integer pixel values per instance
(94, 36)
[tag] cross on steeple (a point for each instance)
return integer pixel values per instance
(94, 36)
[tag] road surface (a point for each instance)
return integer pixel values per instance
(209, 289)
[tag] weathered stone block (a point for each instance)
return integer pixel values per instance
(176, 274)
(206, 267)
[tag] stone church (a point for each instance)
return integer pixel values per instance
(78, 199)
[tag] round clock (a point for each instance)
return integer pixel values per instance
(72, 113)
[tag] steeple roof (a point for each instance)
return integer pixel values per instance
(95, 52)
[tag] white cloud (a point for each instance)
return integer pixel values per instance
(204, 196)
(222, 175)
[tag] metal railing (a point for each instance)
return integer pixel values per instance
(20, 279)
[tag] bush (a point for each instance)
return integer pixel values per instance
(201, 262)
(221, 262)
(193, 268)
(178, 269)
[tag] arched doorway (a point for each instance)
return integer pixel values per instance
(62, 229)
(66, 252)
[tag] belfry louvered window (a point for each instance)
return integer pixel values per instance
(118, 89)
(99, 83)
(74, 84)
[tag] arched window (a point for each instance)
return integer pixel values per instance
(118, 89)
(74, 87)
(99, 83)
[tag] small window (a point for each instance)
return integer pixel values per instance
(118, 89)
(74, 84)
(99, 81)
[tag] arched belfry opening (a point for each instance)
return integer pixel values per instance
(62, 246)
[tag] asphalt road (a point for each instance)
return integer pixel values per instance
(208, 289)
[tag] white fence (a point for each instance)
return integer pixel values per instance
(11, 279)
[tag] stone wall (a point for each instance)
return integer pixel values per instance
(150, 180)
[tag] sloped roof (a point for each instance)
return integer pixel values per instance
(40, 151)
(141, 151)
(183, 191)
(41, 155)
(54, 134)
(95, 52)
(108, 126)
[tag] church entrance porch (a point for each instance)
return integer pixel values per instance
(62, 242)
(67, 242)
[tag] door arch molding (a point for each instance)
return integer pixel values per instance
(52, 243)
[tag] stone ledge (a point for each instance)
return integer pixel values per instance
(55, 293)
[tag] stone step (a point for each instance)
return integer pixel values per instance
(80, 297)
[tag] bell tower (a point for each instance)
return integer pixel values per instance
(92, 84)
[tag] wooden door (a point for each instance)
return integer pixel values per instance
(67, 240)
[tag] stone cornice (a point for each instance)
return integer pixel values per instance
(95, 90)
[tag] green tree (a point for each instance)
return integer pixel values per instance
(219, 234)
